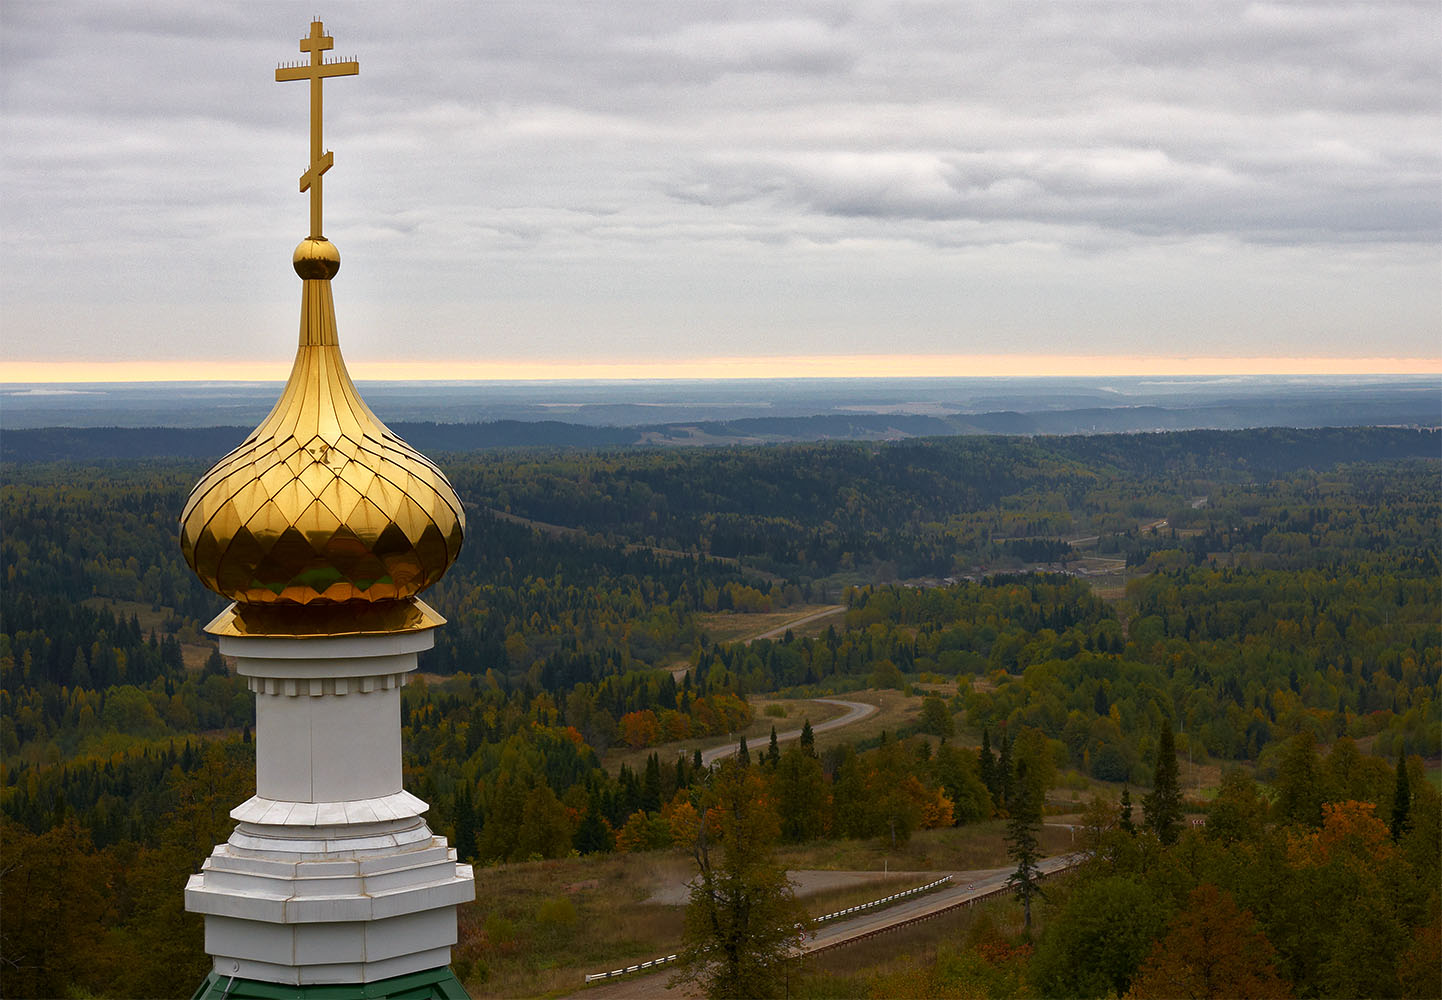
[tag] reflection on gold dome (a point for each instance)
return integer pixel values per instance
(322, 503)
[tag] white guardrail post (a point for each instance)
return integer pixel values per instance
(598, 976)
(886, 899)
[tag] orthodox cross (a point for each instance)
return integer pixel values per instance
(315, 71)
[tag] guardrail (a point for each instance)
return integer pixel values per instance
(1002, 890)
(598, 976)
(812, 948)
(887, 899)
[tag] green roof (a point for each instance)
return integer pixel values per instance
(433, 984)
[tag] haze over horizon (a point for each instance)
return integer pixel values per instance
(721, 369)
(569, 190)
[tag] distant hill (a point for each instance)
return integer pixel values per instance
(46, 444)
(207, 443)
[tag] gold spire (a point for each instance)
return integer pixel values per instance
(322, 508)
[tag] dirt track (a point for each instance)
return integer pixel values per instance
(855, 712)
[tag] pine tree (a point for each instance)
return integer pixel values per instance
(651, 785)
(545, 826)
(502, 828)
(1162, 808)
(1125, 822)
(808, 738)
(214, 665)
(773, 752)
(800, 795)
(1401, 800)
(593, 835)
(1298, 797)
(1004, 773)
(742, 754)
(1021, 842)
(628, 795)
(986, 761)
(465, 829)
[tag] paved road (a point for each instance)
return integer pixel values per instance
(855, 712)
(966, 887)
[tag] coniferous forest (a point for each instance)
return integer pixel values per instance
(1078, 612)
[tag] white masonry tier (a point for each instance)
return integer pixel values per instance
(331, 875)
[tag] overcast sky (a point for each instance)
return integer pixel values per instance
(544, 183)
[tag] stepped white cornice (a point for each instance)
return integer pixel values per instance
(332, 875)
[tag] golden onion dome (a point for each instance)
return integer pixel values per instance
(322, 505)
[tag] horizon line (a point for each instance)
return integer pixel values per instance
(734, 367)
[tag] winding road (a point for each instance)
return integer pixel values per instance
(855, 712)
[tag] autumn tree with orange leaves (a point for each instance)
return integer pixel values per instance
(1212, 949)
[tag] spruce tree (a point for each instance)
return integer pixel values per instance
(1004, 771)
(1401, 799)
(651, 785)
(1021, 841)
(742, 754)
(1162, 808)
(1298, 797)
(593, 835)
(465, 831)
(986, 761)
(808, 738)
(1125, 822)
(773, 752)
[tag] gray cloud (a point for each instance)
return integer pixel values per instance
(829, 167)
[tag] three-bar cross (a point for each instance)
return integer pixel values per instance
(318, 69)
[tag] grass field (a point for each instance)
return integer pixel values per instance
(538, 928)
(729, 626)
(895, 710)
(964, 848)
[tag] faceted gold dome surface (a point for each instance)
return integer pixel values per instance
(322, 503)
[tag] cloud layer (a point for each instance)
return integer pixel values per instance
(641, 180)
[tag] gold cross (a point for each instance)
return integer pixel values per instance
(316, 71)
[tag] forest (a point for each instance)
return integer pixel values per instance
(1272, 596)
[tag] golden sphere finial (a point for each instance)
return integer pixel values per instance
(316, 259)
